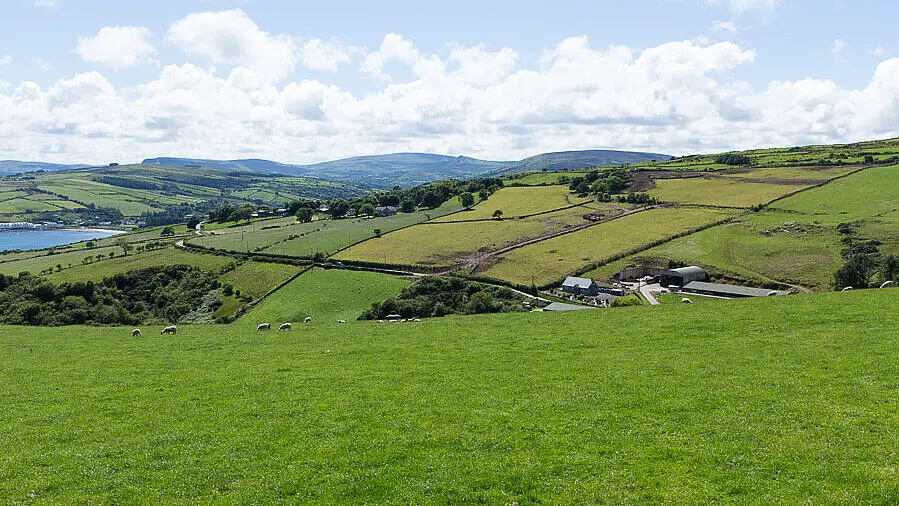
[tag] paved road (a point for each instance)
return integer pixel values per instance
(649, 292)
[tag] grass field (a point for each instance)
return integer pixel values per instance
(820, 173)
(444, 244)
(96, 271)
(326, 236)
(257, 278)
(798, 251)
(757, 401)
(718, 192)
(553, 259)
(520, 201)
(326, 296)
(870, 193)
(35, 264)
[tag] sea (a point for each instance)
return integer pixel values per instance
(39, 239)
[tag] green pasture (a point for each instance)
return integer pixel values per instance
(38, 262)
(553, 259)
(258, 278)
(119, 264)
(800, 173)
(519, 201)
(544, 178)
(768, 401)
(873, 192)
(326, 296)
(718, 191)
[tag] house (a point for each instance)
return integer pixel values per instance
(580, 286)
(386, 211)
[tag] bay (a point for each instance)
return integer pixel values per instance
(39, 239)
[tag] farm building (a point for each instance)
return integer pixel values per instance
(580, 286)
(386, 211)
(560, 307)
(683, 276)
(729, 291)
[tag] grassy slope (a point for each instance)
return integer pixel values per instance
(257, 278)
(767, 400)
(519, 201)
(326, 295)
(718, 192)
(552, 259)
(134, 261)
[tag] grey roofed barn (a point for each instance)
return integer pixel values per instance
(559, 306)
(683, 276)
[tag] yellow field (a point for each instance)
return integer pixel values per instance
(519, 201)
(553, 259)
(719, 192)
(821, 173)
(444, 243)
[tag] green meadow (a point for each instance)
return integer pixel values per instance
(774, 400)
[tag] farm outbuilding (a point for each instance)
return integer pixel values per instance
(729, 291)
(560, 307)
(386, 211)
(683, 276)
(580, 286)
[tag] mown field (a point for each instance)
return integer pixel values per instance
(757, 401)
(797, 251)
(326, 296)
(288, 237)
(553, 259)
(445, 244)
(719, 191)
(520, 201)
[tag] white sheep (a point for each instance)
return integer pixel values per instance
(341, 321)
(171, 329)
(686, 301)
(308, 319)
(887, 284)
(264, 326)
(846, 289)
(285, 326)
(135, 333)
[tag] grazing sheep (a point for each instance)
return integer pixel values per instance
(887, 284)
(171, 329)
(380, 321)
(417, 320)
(341, 321)
(846, 289)
(135, 333)
(308, 319)
(686, 301)
(264, 326)
(285, 326)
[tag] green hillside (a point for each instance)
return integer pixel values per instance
(768, 400)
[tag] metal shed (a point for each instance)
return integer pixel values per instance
(683, 276)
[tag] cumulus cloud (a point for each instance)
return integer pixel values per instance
(679, 97)
(321, 55)
(724, 26)
(116, 46)
(231, 37)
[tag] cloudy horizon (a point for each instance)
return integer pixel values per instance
(229, 81)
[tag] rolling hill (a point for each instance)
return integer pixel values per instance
(8, 167)
(410, 169)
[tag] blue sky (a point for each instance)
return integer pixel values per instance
(307, 81)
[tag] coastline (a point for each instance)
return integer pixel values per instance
(102, 230)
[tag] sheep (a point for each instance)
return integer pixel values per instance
(308, 319)
(285, 326)
(686, 301)
(887, 284)
(380, 321)
(846, 289)
(341, 321)
(264, 326)
(417, 320)
(171, 329)
(135, 333)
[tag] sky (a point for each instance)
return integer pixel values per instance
(97, 81)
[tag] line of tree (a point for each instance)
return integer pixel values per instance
(865, 265)
(126, 182)
(733, 159)
(434, 296)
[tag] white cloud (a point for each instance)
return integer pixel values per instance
(42, 64)
(47, 4)
(879, 51)
(5, 60)
(838, 49)
(749, 5)
(724, 26)
(233, 38)
(320, 55)
(678, 97)
(116, 46)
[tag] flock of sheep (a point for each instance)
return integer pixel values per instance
(172, 329)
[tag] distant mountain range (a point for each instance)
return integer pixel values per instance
(386, 171)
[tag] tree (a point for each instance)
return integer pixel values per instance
(498, 213)
(366, 210)
(167, 231)
(377, 232)
(339, 208)
(482, 302)
(407, 206)
(304, 215)
(192, 222)
(431, 200)
(467, 200)
(483, 194)
(869, 159)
